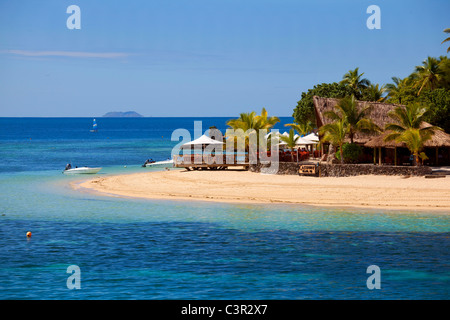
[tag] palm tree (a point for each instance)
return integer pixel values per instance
(394, 90)
(444, 66)
(428, 74)
(448, 39)
(335, 133)
(356, 120)
(267, 122)
(374, 93)
(414, 140)
(245, 121)
(301, 128)
(291, 141)
(249, 121)
(409, 117)
(409, 127)
(353, 79)
(252, 121)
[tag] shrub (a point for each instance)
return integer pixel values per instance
(351, 152)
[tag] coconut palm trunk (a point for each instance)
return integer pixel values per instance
(291, 141)
(335, 133)
(341, 153)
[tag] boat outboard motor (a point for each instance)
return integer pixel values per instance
(68, 166)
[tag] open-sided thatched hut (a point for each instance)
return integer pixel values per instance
(437, 148)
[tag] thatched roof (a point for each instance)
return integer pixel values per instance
(379, 115)
(439, 139)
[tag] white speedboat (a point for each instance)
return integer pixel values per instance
(162, 164)
(82, 170)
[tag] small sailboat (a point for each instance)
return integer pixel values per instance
(94, 126)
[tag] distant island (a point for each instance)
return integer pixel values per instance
(120, 114)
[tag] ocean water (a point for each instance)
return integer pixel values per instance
(155, 249)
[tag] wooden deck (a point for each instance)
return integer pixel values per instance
(219, 162)
(223, 161)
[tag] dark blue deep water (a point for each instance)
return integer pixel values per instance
(138, 249)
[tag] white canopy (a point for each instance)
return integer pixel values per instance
(301, 141)
(203, 140)
(312, 136)
(274, 134)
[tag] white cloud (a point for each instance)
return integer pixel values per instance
(71, 54)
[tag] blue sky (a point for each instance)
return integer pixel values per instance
(201, 57)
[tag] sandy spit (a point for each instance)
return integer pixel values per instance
(235, 186)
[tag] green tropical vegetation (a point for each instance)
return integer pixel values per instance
(302, 128)
(291, 141)
(335, 133)
(428, 75)
(408, 128)
(252, 121)
(428, 84)
(356, 119)
(423, 157)
(304, 111)
(351, 152)
(448, 39)
(423, 96)
(354, 80)
(374, 93)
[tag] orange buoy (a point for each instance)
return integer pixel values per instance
(28, 234)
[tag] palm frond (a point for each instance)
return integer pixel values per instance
(391, 136)
(394, 127)
(332, 115)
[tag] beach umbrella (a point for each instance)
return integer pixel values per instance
(300, 141)
(203, 140)
(312, 137)
(303, 142)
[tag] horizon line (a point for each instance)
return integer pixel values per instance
(101, 117)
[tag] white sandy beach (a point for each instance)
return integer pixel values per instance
(387, 192)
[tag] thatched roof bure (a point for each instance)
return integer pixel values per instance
(379, 115)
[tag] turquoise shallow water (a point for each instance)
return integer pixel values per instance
(142, 249)
(139, 249)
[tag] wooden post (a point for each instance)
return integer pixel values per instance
(379, 156)
(374, 155)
